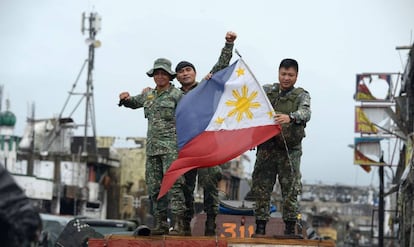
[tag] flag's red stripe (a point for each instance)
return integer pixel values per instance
(212, 148)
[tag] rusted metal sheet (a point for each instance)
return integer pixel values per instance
(124, 241)
(169, 241)
(232, 231)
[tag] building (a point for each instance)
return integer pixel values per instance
(404, 177)
(337, 211)
(47, 164)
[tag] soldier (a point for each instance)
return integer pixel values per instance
(159, 108)
(207, 177)
(280, 155)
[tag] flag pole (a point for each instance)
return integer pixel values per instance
(255, 79)
(237, 52)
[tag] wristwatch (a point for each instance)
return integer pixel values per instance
(292, 118)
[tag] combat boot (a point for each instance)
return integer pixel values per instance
(161, 226)
(290, 228)
(178, 229)
(187, 227)
(210, 226)
(260, 229)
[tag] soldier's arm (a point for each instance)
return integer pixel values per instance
(135, 102)
(267, 88)
(226, 53)
(303, 114)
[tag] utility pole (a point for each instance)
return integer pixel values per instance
(381, 208)
(94, 21)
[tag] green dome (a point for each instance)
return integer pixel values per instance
(7, 118)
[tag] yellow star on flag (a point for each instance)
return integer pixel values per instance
(240, 72)
(270, 113)
(220, 120)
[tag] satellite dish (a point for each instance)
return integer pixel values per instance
(89, 41)
(97, 43)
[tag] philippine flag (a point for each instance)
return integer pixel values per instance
(219, 120)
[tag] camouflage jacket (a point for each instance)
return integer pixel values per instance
(296, 103)
(224, 59)
(159, 109)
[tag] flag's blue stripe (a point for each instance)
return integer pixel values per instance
(196, 108)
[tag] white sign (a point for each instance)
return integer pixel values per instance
(73, 173)
(44, 169)
(35, 188)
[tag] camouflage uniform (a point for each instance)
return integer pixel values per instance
(207, 177)
(275, 159)
(159, 109)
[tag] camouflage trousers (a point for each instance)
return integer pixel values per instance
(156, 166)
(271, 164)
(207, 179)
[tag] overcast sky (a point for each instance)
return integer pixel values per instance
(42, 51)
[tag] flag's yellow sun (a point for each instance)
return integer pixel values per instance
(242, 104)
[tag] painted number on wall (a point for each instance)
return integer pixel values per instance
(233, 230)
